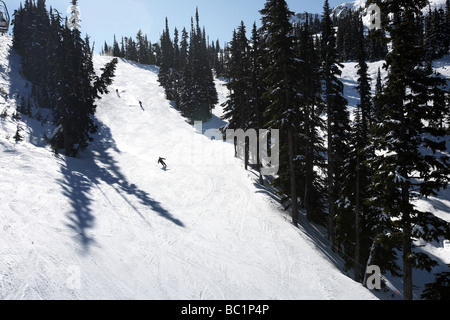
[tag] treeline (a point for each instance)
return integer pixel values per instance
(138, 49)
(376, 42)
(437, 31)
(436, 35)
(186, 71)
(357, 172)
(187, 65)
(58, 62)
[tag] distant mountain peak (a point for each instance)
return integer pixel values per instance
(345, 7)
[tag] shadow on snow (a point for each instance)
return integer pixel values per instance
(97, 165)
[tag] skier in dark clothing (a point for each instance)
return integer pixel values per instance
(161, 161)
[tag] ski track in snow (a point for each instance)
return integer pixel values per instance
(113, 225)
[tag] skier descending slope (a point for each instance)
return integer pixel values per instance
(161, 161)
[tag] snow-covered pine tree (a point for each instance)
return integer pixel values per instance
(447, 24)
(202, 94)
(439, 290)
(236, 107)
(218, 60)
(310, 183)
(430, 37)
(116, 49)
(353, 210)
(176, 71)
(18, 137)
(337, 118)
(244, 108)
(347, 27)
(185, 80)
(167, 62)
(411, 162)
(131, 50)
(442, 31)
(197, 90)
(282, 76)
(377, 43)
(122, 48)
(256, 89)
(64, 79)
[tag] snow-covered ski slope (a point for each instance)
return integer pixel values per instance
(113, 225)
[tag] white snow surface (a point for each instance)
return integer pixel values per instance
(112, 224)
(344, 8)
(358, 4)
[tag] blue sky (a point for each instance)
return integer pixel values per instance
(101, 19)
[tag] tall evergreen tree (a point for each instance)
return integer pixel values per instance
(63, 74)
(447, 24)
(238, 70)
(116, 49)
(337, 117)
(244, 108)
(355, 218)
(256, 89)
(185, 81)
(167, 62)
(411, 162)
(311, 184)
(202, 93)
(176, 70)
(282, 77)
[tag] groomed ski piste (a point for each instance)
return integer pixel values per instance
(112, 224)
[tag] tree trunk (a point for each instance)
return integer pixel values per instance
(294, 207)
(68, 140)
(258, 161)
(309, 164)
(372, 254)
(357, 214)
(407, 246)
(331, 182)
(247, 154)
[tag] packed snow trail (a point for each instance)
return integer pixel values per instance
(214, 236)
(112, 224)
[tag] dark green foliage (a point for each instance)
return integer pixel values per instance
(139, 49)
(284, 109)
(413, 164)
(337, 119)
(167, 63)
(4, 114)
(236, 108)
(437, 33)
(347, 32)
(59, 64)
(244, 107)
(186, 74)
(354, 223)
(311, 184)
(198, 94)
(217, 59)
(439, 289)
(18, 137)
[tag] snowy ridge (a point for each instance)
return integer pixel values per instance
(342, 9)
(113, 225)
(361, 4)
